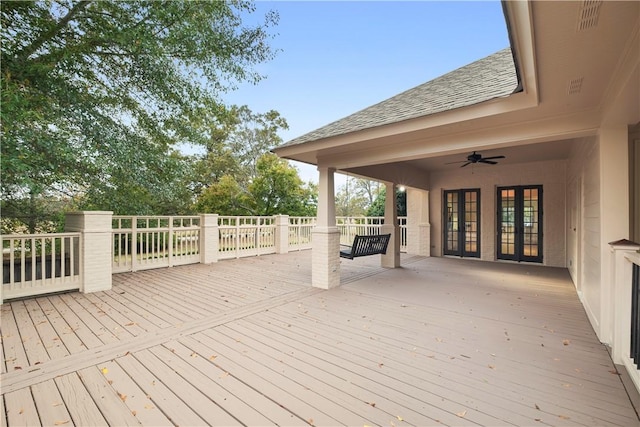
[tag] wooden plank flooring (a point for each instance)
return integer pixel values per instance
(249, 342)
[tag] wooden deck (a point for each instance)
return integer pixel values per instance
(249, 342)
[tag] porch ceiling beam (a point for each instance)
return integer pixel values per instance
(401, 174)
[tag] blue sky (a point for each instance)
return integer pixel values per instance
(338, 57)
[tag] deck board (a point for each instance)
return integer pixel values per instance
(21, 409)
(81, 406)
(51, 408)
(248, 341)
(110, 404)
(162, 396)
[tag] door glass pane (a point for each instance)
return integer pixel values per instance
(508, 230)
(471, 221)
(530, 219)
(452, 221)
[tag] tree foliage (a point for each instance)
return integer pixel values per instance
(356, 196)
(377, 207)
(275, 189)
(97, 94)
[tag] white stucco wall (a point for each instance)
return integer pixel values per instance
(550, 174)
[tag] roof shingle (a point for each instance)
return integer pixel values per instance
(489, 78)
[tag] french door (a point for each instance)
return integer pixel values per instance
(520, 223)
(462, 222)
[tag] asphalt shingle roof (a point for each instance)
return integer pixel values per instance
(489, 78)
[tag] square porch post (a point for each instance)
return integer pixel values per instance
(392, 258)
(96, 247)
(325, 256)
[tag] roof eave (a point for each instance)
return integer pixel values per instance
(453, 120)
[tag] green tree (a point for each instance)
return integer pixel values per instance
(224, 197)
(355, 196)
(235, 145)
(94, 92)
(254, 135)
(377, 208)
(276, 189)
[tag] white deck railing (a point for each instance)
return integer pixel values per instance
(242, 236)
(351, 226)
(145, 242)
(300, 228)
(37, 264)
(46, 263)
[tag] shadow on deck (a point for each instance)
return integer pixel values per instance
(249, 342)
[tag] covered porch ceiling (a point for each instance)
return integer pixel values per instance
(571, 59)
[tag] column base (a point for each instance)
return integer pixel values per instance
(325, 264)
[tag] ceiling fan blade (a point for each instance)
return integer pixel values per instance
(493, 157)
(491, 162)
(451, 163)
(466, 164)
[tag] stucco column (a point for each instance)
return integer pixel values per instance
(392, 258)
(209, 238)
(614, 212)
(418, 226)
(282, 234)
(325, 269)
(96, 247)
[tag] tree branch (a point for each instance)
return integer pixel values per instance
(48, 35)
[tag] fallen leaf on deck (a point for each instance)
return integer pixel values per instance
(59, 423)
(212, 357)
(134, 413)
(194, 354)
(614, 372)
(462, 414)
(122, 396)
(566, 342)
(21, 411)
(104, 371)
(564, 417)
(310, 421)
(380, 365)
(438, 339)
(130, 324)
(566, 385)
(400, 418)
(57, 404)
(149, 407)
(491, 367)
(537, 407)
(17, 368)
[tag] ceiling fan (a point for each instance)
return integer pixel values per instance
(477, 158)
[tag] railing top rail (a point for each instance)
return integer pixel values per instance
(40, 235)
(156, 216)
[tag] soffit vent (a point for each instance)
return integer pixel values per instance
(589, 13)
(575, 86)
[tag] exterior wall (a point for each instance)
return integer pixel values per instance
(550, 174)
(584, 167)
